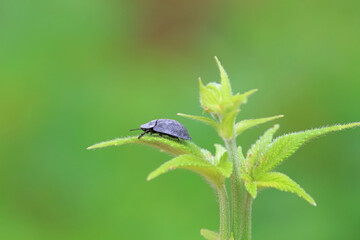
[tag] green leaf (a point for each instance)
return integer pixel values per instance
(209, 235)
(205, 120)
(250, 92)
(284, 146)
(225, 83)
(225, 166)
(214, 174)
(284, 183)
(251, 187)
(208, 156)
(227, 125)
(242, 98)
(219, 153)
(209, 97)
(234, 102)
(215, 87)
(249, 123)
(257, 149)
(172, 146)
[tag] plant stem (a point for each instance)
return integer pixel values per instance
(245, 225)
(224, 213)
(237, 198)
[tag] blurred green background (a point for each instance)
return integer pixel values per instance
(76, 72)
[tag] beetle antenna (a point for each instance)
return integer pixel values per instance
(135, 129)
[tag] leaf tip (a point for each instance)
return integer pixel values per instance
(251, 92)
(253, 194)
(91, 147)
(202, 232)
(312, 202)
(221, 68)
(182, 114)
(201, 85)
(355, 124)
(209, 235)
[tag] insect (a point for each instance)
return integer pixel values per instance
(167, 127)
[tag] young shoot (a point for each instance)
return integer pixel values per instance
(247, 173)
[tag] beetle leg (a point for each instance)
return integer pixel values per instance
(143, 134)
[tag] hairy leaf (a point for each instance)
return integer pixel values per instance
(215, 87)
(225, 83)
(208, 156)
(214, 174)
(209, 98)
(172, 146)
(284, 183)
(219, 153)
(209, 235)
(225, 166)
(257, 149)
(251, 187)
(242, 98)
(205, 120)
(234, 102)
(249, 123)
(283, 146)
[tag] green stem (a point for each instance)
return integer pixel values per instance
(224, 213)
(237, 198)
(245, 226)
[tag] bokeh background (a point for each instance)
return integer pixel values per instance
(76, 72)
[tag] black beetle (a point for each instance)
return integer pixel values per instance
(167, 127)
